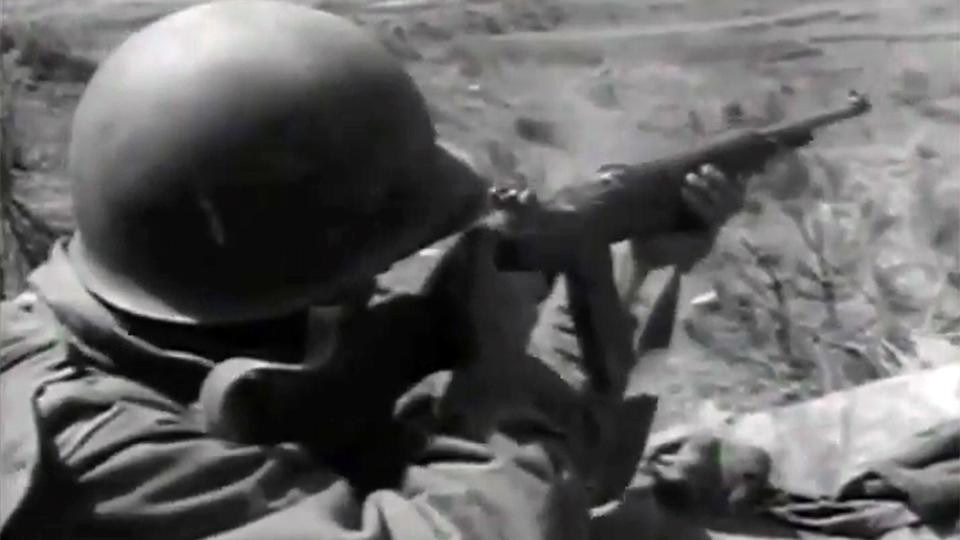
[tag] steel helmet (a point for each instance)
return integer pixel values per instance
(242, 159)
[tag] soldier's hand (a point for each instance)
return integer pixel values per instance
(711, 196)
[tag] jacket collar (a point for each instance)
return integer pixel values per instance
(174, 359)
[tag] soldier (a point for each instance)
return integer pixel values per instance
(243, 171)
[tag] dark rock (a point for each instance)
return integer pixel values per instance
(431, 31)
(537, 130)
(394, 38)
(913, 87)
(469, 65)
(603, 94)
(733, 114)
(695, 124)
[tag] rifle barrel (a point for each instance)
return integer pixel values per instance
(857, 104)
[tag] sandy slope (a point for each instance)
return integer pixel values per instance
(614, 80)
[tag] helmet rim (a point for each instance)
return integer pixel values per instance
(460, 191)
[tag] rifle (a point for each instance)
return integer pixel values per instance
(637, 201)
(551, 236)
(606, 210)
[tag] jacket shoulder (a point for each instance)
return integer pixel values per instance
(32, 352)
(27, 330)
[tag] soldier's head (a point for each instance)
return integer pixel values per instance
(241, 160)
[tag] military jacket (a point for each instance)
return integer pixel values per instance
(100, 439)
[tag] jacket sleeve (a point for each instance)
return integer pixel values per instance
(144, 470)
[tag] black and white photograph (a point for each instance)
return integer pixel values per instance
(480, 269)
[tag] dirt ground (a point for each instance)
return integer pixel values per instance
(857, 234)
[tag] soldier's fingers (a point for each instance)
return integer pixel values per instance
(723, 192)
(699, 200)
(712, 173)
(717, 179)
(727, 191)
(720, 177)
(699, 183)
(710, 182)
(692, 179)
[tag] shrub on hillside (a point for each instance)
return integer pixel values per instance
(26, 236)
(44, 53)
(835, 296)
